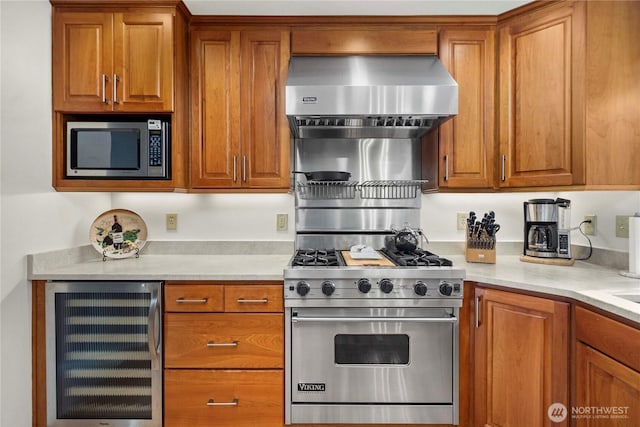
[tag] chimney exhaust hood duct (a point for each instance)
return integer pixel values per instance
(368, 96)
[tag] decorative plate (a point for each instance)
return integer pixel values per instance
(118, 233)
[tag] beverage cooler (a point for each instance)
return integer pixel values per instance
(104, 355)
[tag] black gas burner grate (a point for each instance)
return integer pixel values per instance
(317, 257)
(417, 258)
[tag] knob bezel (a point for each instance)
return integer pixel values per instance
(364, 285)
(303, 288)
(386, 285)
(445, 289)
(328, 288)
(420, 288)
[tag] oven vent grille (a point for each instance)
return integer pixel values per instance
(403, 127)
(332, 190)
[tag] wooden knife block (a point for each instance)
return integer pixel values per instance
(481, 249)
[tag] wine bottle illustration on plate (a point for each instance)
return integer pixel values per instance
(116, 229)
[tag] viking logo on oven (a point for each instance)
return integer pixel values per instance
(311, 387)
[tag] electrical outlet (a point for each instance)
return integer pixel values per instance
(172, 221)
(590, 228)
(622, 226)
(282, 222)
(461, 221)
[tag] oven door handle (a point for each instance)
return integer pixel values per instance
(452, 319)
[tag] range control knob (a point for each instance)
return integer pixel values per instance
(386, 286)
(328, 287)
(420, 288)
(364, 285)
(446, 289)
(302, 288)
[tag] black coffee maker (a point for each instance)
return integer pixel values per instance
(547, 228)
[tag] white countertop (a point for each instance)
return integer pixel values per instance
(589, 283)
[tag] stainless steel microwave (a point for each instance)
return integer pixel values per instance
(119, 150)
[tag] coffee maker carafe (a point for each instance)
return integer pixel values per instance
(547, 227)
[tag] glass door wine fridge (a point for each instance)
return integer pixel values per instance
(104, 354)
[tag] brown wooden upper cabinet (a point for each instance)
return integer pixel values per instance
(113, 61)
(240, 135)
(541, 97)
(364, 41)
(468, 141)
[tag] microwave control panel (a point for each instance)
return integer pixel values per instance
(155, 142)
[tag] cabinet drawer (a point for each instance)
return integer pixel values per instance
(224, 340)
(193, 298)
(196, 398)
(256, 299)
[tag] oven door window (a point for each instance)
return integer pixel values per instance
(105, 149)
(371, 349)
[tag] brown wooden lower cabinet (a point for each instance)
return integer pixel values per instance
(521, 359)
(607, 392)
(232, 398)
(607, 372)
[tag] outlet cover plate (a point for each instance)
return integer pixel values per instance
(172, 221)
(461, 220)
(622, 226)
(282, 222)
(590, 229)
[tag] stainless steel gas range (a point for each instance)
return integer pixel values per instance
(371, 344)
(371, 316)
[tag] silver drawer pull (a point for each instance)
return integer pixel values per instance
(192, 301)
(260, 301)
(222, 344)
(211, 402)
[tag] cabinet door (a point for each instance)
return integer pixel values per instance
(143, 61)
(265, 132)
(215, 109)
(82, 61)
(467, 142)
(610, 386)
(521, 366)
(541, 105)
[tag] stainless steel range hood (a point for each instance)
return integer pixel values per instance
(368, 96)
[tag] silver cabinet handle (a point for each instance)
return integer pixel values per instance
(153, 325)
(504, 159)
(446, 167)
(244, 168)
(451, 319)
(235, 169)
(192, 301)
(104, 89)
(478, 301)
(115, 89)
(211, 402)
(222, 344)
(257, 301)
